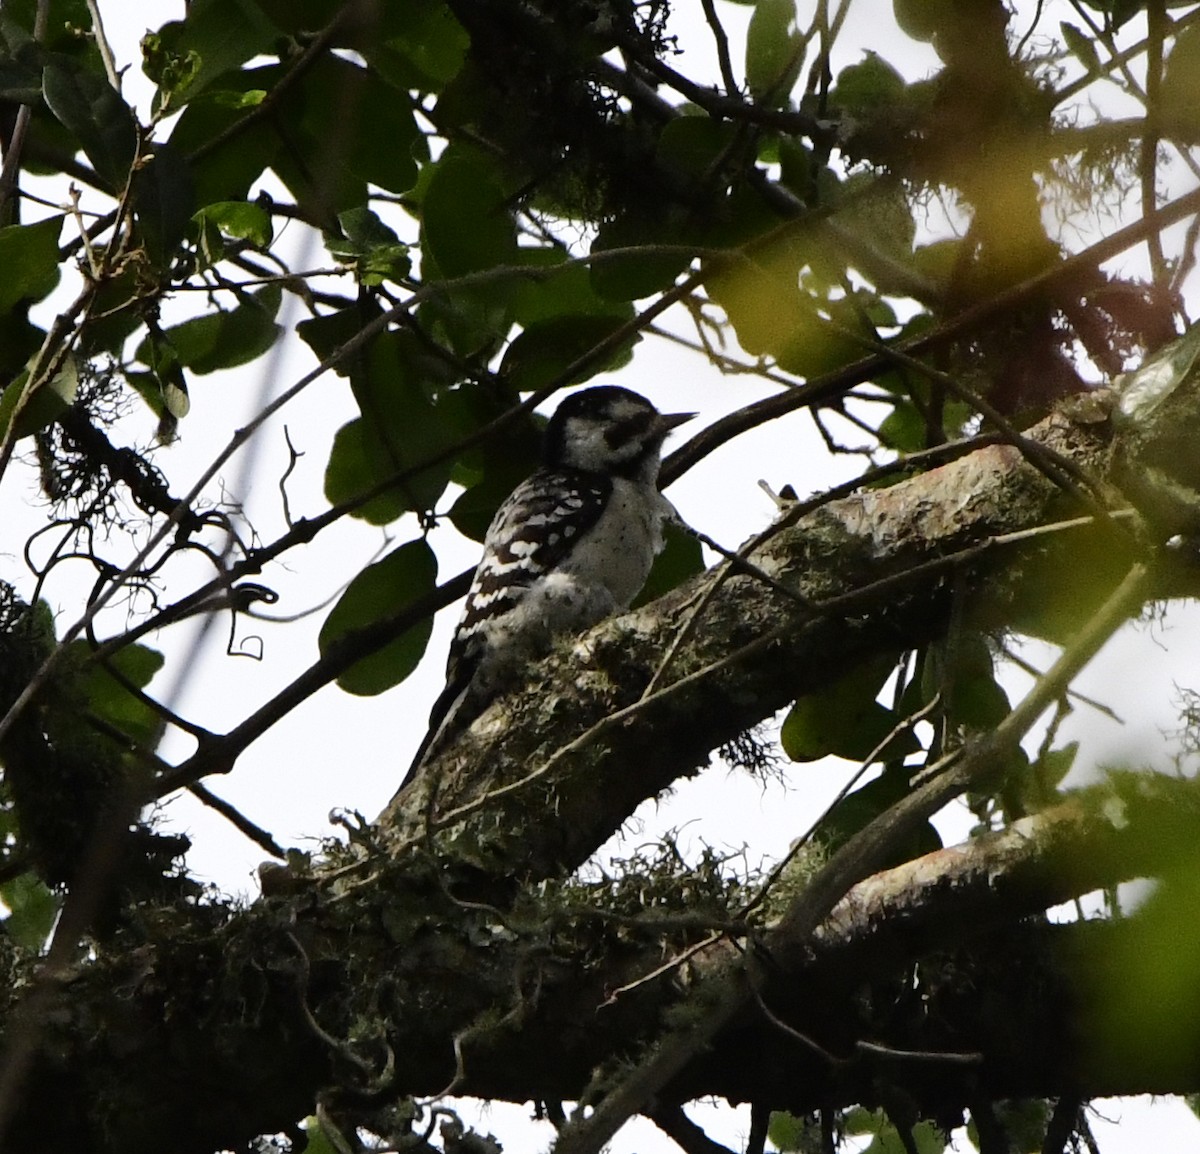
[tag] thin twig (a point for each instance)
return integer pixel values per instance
(864, 851)
(1034, 672)
(238, 820)
(106, 53)
(350, 348)
(939, 1057)
(1062, 471)
(805, 839)
(1148, 160)
(724, 61)
(669, 966)
(791, 1031)
(737, 563)
(822, 389)
(845, 602)
(16, 142)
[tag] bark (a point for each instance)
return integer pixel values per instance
(869, 575)
(448, 929)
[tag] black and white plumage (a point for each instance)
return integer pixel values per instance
(571, 545)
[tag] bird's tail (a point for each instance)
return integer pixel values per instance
(447, 719)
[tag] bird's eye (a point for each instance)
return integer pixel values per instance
(631, 429)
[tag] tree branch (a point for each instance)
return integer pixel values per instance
(446, 949)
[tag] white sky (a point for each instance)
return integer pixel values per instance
(340, 751)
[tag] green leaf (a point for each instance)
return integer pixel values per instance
(29, 257)
(937, 261)
(379, 592)
(1080, 45)
(1053, 600)
(20, 81)
(1030, 787)
(165, 392)
(466, 220)
(921, 19)
(138, 663)
(845, 720)
(109, 699)
(877, 310)
(1054, 765)
(224, 339)
(163, 200)
(326, 334)
(1143, 389)
(250, 98)
(47, 404)
(94, 113)
(693, 144)
(471, 320)
(371, 245)
(561, 289)
(315, 1140)
(925, 1136)
(979, 701)
(904, 428)
(490, 470)
(376, 123)
(472, 513)
(401, 428)
(362, 226)
(790, 1134)
(1120, 11)
(357, 463)
(635, 275)
(19, 341)
(1144, 983)
(764, 303)
(774, 51)
(298, 16)
(185, 57)
(426, 49)
(33, 909)
(964, 671)
(681, 558)
(864, 89)
(858, 1121)
(543, 352)
(797, 167)
(345, 129)
(817, 727)
(230, 158)
(881, 214)
(854, 812)
(818, 345)
(170, 397)
(67, 30)
(240, 219)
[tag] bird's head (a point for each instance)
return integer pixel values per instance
(611, 430)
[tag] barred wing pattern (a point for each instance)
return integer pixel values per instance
(531, 534)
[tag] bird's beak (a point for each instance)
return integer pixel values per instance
(669, 421)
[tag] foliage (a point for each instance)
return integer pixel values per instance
(506, 200)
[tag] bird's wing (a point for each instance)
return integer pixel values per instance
(531, 533)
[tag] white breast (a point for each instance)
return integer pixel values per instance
(601, 576)
(617, 552)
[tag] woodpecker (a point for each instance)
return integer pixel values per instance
(571, 545)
